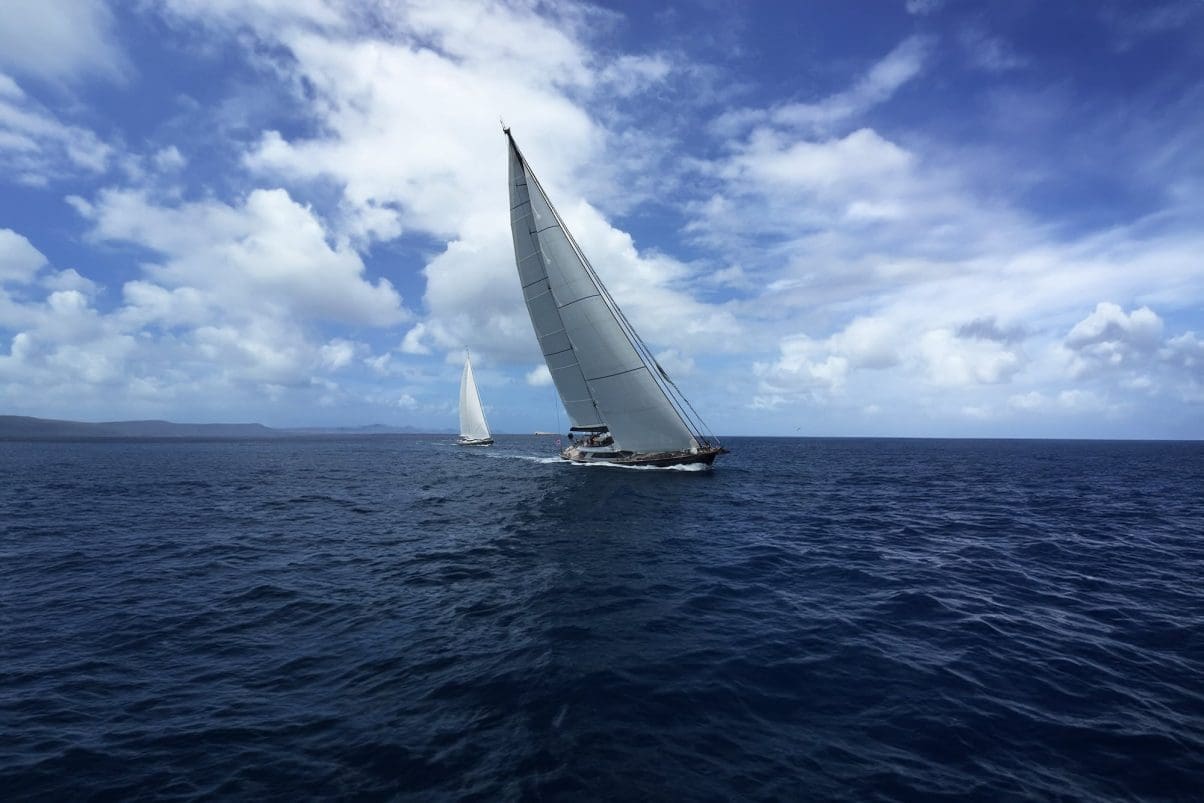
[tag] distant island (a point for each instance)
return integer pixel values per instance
(20, 427)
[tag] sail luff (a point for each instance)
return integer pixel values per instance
(472, 415)
(618, 378)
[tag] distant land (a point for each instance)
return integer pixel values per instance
(20, 427)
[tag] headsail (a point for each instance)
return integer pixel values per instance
(603, 378)
(472, 416)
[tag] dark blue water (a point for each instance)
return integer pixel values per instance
(395, 616)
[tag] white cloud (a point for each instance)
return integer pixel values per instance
(268, 254)
(1187, 352)
(1108, 339)
(539, 376)
(1033, 400)
(804, 370)
(36, 146)
(876, 86)
(1072, 400)
(861, 158)
(71, 40)
(19, 260)
(265, 17)
(226, 315)
(338, 353)
(169, 159)
(70, 279)
(868, 343)
(412, 342)
(1141, 329)
(955, 361)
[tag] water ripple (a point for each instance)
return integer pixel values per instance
(397, 617)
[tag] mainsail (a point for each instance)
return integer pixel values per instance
(602, 371)
(472, 417)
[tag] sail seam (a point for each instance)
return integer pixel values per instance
(616, 373)
(575, 300)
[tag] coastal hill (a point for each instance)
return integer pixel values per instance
(19, 427)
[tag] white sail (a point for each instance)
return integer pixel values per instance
(545, 315)
(599, 373)
(472, 416)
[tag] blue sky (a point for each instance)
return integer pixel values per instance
(927, 217)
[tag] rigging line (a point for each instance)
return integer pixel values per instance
(556, 407)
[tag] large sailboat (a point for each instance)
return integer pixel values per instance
(474, 431)
(618, 398)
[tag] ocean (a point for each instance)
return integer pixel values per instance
(396, 617)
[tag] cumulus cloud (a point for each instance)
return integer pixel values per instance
(1109, 338)
(805, 370)
(539, 376)
(266, 254)
(338, 353)
(412, 342)
(19, 260)
(951, 360)
(228, 308)
(1129, 351)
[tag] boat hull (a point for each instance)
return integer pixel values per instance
(705, 455)
(475, 442)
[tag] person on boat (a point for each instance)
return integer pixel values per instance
(572, 439)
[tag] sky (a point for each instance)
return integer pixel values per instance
(911, 218)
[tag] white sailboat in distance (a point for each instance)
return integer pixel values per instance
(474, 431)
(618, 398)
